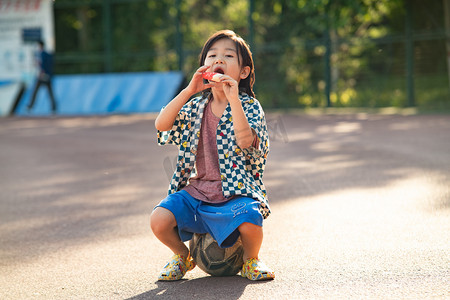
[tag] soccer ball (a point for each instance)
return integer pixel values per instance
(214, 260)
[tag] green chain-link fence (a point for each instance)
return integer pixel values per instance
(406, 68)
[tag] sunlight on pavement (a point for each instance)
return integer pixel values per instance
(361, 235)
(400, 217)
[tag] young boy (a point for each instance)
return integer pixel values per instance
(223, 143)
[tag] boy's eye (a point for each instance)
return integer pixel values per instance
(212, 55)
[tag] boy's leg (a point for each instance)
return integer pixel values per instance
(163, 224)
(253, 268)
(251, 237)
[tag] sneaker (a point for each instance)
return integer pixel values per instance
(176, 268)
(254, 269)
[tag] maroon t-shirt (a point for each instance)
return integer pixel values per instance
(207, 185)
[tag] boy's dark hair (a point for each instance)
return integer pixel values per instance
(242, 49)
(40, 43)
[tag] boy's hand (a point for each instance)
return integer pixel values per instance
(197, 85)
(230, 88)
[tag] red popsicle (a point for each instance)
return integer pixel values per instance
(212, 76)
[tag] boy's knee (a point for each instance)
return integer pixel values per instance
(162, 220)
(248, 228)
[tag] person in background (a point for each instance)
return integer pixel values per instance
(45, 64)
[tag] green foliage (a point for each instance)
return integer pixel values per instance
(365, 40)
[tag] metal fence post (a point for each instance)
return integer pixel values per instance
(107, 35)
(327, 70)
(179, 37)
(251, 9)
(409, 45)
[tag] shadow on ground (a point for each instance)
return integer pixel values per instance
(200, 288)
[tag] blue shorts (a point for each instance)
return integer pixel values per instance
(221, 220)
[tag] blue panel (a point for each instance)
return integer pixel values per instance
(106, 93)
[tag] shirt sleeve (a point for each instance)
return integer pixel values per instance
(257, 121)
(173, 136)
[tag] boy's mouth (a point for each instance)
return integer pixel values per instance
(219, 70)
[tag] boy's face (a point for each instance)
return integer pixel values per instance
(223, 58)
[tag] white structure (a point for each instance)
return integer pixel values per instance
(22, 23)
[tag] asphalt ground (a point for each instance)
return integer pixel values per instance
(360, 210)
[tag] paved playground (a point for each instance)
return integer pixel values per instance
(360, 209)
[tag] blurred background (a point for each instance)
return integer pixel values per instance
(307, 54)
